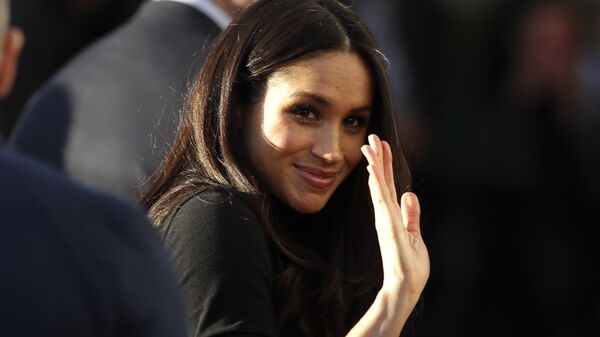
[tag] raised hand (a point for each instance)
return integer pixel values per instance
(404, 254)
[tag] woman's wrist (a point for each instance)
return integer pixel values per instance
(388, 313)
(399, 297)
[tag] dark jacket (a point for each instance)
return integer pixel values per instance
(76, 263)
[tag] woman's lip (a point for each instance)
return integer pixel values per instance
(316, 178)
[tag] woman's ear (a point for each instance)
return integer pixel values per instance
(9, 60)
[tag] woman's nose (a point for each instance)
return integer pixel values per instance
(327, 146)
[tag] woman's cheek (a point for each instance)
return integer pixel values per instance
(287, 136)
(353, 154)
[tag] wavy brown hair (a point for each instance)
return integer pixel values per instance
(310, 291)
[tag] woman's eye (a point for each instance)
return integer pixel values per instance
(304, 113)
(356, 122)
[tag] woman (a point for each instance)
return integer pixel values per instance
(264, 198)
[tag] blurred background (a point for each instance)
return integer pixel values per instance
(500, 106)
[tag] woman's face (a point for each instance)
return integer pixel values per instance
(303, 139)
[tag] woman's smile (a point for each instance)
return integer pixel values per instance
(317, 178)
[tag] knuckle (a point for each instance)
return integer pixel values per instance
(413, 213)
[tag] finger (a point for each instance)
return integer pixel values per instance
(383, 188)
(375, 143)
(411, 212)
(376, 172)
(387, 233)
(389, 170)
(377, 195)
(367, 151)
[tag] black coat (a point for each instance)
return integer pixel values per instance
(107, 118)
(76, 263)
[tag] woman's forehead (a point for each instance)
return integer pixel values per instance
(327, 74)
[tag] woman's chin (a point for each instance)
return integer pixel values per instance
(307, 205)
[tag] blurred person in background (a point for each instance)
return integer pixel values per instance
(74, 262)
(57, 30)
(109, 115)
(553, 144)
(546, 104)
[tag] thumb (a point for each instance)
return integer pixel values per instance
(411, 212)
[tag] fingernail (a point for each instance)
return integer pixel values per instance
(371, 139)
(411, 200)
(363, 149)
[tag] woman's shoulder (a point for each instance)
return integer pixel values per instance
(213, 215)
(220, 254)
(211, 203)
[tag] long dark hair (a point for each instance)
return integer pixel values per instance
(338, 252)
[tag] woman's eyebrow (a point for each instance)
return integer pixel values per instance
(312, 96)
(320, 100)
